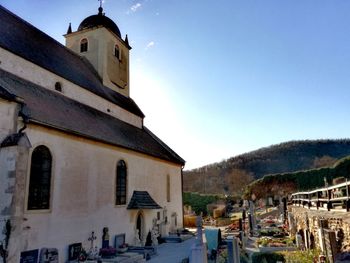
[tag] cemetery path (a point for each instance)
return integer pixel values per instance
(172, 252)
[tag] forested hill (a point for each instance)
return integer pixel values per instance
(234, 173)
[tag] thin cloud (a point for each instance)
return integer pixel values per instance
(150, 44)
(135, 7)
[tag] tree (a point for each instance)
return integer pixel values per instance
(236, 180)
(324, 161)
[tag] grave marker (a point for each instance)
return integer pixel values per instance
(74, 251)
(49, 255)
(330, 244)
(105, 238)
(119, 240)
(30, 256)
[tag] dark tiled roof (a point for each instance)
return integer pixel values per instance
(11, 140)
(28, 42)
(99, 20)
(52, 109)
(142, 200)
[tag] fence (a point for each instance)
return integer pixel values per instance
(332, 197)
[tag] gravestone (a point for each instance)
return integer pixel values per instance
(30, 256)
(330, 244)
(270, 201)
(48, 255)
(119, 240)
(198, 253)
(74, 251)
(105, 238)
(323, 224)
(233, 251)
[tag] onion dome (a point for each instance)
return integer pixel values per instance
(99, 20)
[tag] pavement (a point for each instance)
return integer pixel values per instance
(173, 252)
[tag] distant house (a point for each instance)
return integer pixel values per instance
(75, 156)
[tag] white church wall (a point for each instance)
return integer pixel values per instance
(7, 178)
(83, 192)
(8, 117)
(40, 76)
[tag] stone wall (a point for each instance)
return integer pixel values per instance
(306, 220)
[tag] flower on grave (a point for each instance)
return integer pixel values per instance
(108, 251)
(82, 255)
(124, 245)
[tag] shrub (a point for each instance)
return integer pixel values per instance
(199, 202)
(268, 257)
(300, 256)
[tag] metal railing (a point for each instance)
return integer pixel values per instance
(332, 197)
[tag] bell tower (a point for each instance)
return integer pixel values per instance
(98, 39)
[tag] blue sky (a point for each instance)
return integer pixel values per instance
(220, 78)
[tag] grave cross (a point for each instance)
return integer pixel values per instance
(92, 238)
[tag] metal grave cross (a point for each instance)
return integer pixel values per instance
(92, 238)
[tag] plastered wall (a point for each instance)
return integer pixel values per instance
(83, 193)
(100, 53)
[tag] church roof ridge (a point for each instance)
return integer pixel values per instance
(54, 110)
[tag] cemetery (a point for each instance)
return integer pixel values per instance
(288, 232)
(251, 234)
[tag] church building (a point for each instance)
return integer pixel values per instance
(75, 156)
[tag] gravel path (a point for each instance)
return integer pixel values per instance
(172, 252)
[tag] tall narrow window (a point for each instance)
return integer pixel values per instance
(40, 179)
(84, 45)
(117, 52)
(121, 183)
(168, 188)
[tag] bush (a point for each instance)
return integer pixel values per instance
(298, 181)
(300, 256)
(199, 202)
(268, 257)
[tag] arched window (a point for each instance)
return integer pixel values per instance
(121, 183)
(84, 45)
(40, 179)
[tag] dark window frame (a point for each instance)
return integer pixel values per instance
(168, 188)
(39, 192)
(84, 44)
(121, 183)
(117, 51)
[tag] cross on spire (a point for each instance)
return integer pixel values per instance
(100, 9)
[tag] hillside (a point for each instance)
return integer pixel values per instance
(287, 183)
(231, 175)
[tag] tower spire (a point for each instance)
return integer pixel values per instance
(69, 28)
(100, 9)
